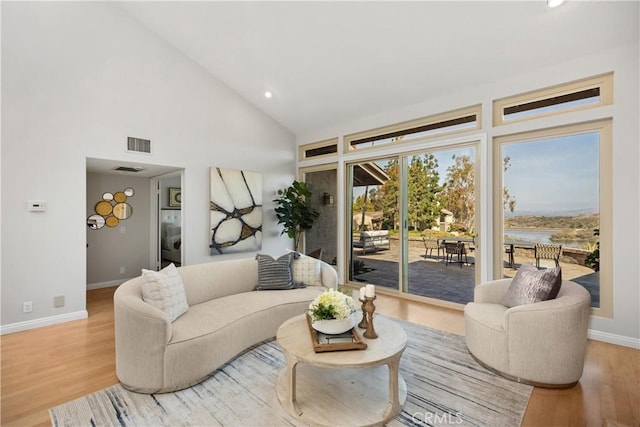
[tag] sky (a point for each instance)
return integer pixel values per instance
(554, 175)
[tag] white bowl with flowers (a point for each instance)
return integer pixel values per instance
(332, 312)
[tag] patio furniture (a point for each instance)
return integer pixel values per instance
(470, 246)
(509, 250)
(458, 249)
(542, 343)
(543, 251)
(432, 244)
(375, 239)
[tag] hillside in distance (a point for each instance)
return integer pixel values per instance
(584, 222)
(539, 212)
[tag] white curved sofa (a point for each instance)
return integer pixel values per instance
(226, 315)
(542, 344)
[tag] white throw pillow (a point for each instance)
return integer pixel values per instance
(306, 270)
(172, 230)
(164, 290)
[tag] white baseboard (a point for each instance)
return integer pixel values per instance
(109, 284)
(614, 339)
(45, 321)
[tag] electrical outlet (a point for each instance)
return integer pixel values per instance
(27, 307)
(121, 270)
(58, 301)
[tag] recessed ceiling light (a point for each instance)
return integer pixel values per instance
(554, 3)
(268, 94)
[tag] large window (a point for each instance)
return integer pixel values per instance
(414, 195)
(555, 205)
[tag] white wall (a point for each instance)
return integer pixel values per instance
(624, 327)
(77, 79)
(127, 244)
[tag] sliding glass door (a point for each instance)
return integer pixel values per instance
(413, 223)
(441, 224)
(374, 222)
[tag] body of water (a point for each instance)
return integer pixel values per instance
(541, 236)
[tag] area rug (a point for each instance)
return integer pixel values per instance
(445, 387)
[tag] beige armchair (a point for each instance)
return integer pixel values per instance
(542, 344)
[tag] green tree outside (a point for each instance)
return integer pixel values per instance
(389, 193)
(459, 194)
(424, 192)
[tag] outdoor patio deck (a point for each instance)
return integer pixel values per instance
(430, 277)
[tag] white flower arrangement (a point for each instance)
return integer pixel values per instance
(331, 304)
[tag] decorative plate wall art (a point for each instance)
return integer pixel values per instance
(112, 209)
(235, 211)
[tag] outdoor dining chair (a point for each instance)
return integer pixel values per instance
(430, 245)
(544, 251)
(455, 248)
(509, 250)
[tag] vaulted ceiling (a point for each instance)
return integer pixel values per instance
(331, 62)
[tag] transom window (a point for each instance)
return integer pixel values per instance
(319, 149)
(441, 124)
(578, 95)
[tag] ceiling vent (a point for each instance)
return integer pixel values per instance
(139, 145)
(127, 169)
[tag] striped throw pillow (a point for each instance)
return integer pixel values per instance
(274, 273)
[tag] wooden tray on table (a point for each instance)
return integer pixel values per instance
(349, 340)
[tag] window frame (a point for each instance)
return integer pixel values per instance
(604, 129)
(479, 142)
(604, 82)
(302, 149)
(397, 128)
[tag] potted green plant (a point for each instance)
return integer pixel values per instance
(294, 211)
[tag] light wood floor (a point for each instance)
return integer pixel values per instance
(44, 367)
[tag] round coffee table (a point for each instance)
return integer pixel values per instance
(369, 395)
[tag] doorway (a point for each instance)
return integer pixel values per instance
(121, 220)
(169, 219)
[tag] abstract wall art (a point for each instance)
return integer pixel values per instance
(235, 210)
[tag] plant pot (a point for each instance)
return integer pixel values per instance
(334, 326)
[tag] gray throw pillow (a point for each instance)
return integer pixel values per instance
(274, 273)
(531, 285)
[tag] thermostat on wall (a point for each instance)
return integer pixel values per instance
(36, 205)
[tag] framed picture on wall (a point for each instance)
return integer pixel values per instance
(175, 197)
